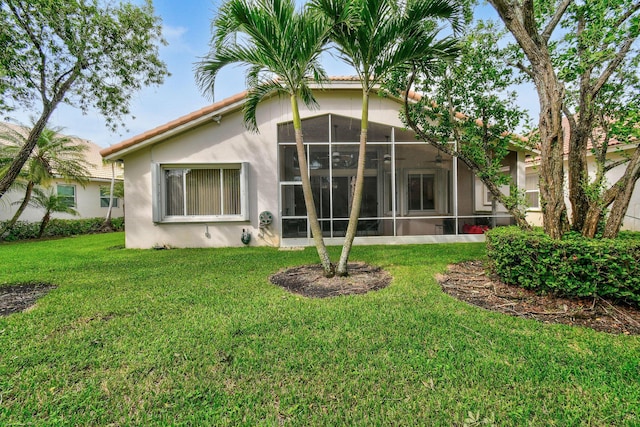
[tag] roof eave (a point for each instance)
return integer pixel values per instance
(176, 127)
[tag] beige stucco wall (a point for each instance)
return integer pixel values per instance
(631, 221)
(229, 142)
(87, 199)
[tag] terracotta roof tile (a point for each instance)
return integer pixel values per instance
(173, 124)
(135, 140)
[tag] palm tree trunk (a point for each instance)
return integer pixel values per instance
(43, 224)
(23, 206)
(352, 228)
(316, 232)
(106, 225)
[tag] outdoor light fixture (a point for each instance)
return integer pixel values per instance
(387, 159)
(439, 159)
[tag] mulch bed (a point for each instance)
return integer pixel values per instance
(468, 282)
(309, 280)
(17, 298)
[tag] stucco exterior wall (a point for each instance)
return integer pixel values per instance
(229, 142)
(87, 204)
(631, 220)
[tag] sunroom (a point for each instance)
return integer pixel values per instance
(412, 192)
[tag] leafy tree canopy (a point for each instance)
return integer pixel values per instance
(86, 53)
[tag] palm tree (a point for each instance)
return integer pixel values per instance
(378, 38)
(280, 47)
(51, 203)
(107, 224)
(54, 155)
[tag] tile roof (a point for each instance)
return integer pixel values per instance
(566, 138)
(97, 169)
(203, 112)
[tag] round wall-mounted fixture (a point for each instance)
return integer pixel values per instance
(265, 218)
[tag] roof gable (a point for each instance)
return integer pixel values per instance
(208, 113)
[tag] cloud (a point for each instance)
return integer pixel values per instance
(176, 37)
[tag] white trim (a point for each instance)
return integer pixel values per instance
(207, 118)
(159, 187)
(388, 240)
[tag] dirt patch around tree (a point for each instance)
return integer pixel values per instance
(309, 280)
(468, 282)
(20, 297)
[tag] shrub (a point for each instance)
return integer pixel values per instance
(24, 230)
(573, 266)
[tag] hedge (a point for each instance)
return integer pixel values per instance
(573, 266)
(24, 230)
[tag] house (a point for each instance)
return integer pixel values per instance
(90, 201)
(616, 151)
(203, 180)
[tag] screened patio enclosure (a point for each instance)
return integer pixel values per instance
(410, 188)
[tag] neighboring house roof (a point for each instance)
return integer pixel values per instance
(210, 112)
(613, 142)
(98, 170)
(566, 136)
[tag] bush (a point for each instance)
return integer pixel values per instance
(573, 266)
(24, 230)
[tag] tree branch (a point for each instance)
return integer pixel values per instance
(627, 15)
(36, 43)
(555, 20)
(632, 172)
(613, 65)
(570, 116)
(615, 164)
(519, 65)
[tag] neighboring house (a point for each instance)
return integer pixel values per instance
(615, 152)
(203, 179)
(90, 201)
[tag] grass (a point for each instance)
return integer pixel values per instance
(200, 337)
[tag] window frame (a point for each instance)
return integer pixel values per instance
(440, 191)
(105, 198)
(74, 204)
(535, 190)
(159, 199)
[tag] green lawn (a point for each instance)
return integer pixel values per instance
(200, 337)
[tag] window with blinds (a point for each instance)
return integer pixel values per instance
(532, 192)
(203, 192)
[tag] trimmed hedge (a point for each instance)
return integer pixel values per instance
(573, 266)
(24, 230)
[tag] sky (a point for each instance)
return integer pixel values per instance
(187, 29)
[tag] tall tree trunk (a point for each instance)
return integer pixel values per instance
(312, 215)
(578, 176)
(625, 187)
(520, 20)
(23, 155)
(25, 202)
(554, 209)
(591, 220)
(352, 228)
(48, 106)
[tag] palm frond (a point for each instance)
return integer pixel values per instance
(273, 41)
(255, 95)
(55, 154)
